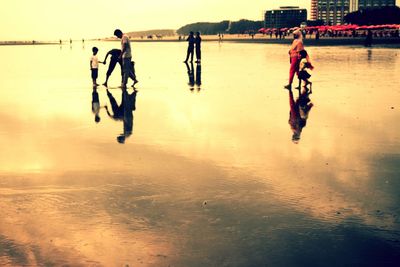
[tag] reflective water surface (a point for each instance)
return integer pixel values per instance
(203, 165)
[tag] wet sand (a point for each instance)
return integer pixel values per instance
(210, 175)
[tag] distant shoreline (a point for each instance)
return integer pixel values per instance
(27, 43)
(325, 41)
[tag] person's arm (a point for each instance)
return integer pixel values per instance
(105, 59)
(91, 59)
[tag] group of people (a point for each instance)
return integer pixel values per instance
(300, 63)
(121, 56)
(194, 42)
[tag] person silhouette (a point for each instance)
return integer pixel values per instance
(197, 41)
(126, 56)
(298, 114)
(115, 58)
(190, 50)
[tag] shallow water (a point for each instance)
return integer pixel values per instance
(210, 175)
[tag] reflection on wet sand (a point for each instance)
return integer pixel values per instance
(211, 180)
(299, 111)
(194, 79)
(123, 112)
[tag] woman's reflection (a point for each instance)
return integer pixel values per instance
(123, 112)
(299, 111)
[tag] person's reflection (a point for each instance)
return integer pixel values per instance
(298, 114)
(198, 76)
(194, 79)
(123, 112)
(96, 105)
(190, 73)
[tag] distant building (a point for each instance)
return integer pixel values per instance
(363, 4)
(332, 12)
(314, 10)
(285, 17)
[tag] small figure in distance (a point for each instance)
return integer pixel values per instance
(115, 58)
(368, 39)
(198, 47)
(94, 65)
(303, 73)
(190, 50)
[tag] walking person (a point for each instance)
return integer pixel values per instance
(197, 41)
(297, 46)
(115, 58)
(190, 50)
(126, 56)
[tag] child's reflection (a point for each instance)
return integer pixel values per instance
(298, 114)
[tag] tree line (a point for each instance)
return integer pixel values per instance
(211, 28)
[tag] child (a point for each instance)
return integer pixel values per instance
(303, 66)
(94, 65)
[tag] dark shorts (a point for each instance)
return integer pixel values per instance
(95, 73)
(304, 75)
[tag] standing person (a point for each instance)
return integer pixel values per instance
(368, 39)
(94, 65)
(297, 46)
(115, 58)
(126, 56)
(190, 50)
(197, 41)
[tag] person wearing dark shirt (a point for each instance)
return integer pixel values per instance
(190, 51)
(115, 58)
(197, 41)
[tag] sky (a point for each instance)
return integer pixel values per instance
(77, 19)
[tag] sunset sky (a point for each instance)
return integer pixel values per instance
(55, 19)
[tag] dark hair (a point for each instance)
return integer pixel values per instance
(95, 49)
(191, 33)
(303, 53)
(117, 32)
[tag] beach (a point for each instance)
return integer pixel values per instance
(210, 175)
